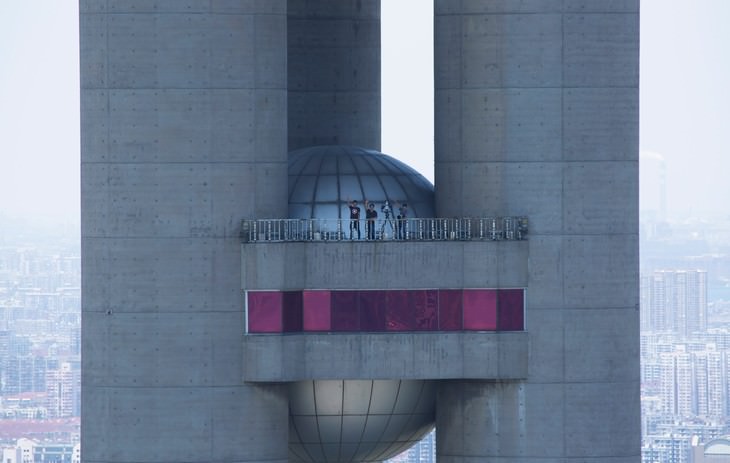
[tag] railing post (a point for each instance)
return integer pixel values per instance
(509, 229)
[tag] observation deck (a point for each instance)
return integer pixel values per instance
(412, 229)
(439, 298)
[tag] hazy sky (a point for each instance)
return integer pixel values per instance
(685, 100)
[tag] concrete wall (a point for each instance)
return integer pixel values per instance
(334, 73)
(537, 114)
(183, 107)
(385, 265)
(297, 357)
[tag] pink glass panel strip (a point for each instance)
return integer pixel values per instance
(480, 309)
(511, 310)
(265, 312)
(386, 310)
(450, 310)
(316, 312)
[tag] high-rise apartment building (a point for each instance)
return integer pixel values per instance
(220, 325)
(61, 390)
(677, 384)
(692, 383)
(675, 301)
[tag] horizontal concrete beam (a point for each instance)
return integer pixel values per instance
(463, 355)
(384, 265)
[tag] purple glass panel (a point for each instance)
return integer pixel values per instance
(450, 310)
(386, 310)
(264, 312)
(292, 312)
(511, 309)
(425, 304)
(372, 310)
(398, 311)
(316, 313)
(480, 309)
(345, 316)
(429, 321)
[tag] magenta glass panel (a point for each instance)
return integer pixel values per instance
(480, 309)
(450, 310)
(372, 310)
(316, 313)
(265, 312)
(386, 310)
(398, 311)
(345, 315)
(292, 312)
(511, 310)
(425, 309)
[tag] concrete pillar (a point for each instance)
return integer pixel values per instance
(536, 108)
(334, 73)
(183, 108)
(479, 421)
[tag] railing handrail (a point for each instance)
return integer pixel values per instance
(513, 228)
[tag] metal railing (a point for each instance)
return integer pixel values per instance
(427, 229)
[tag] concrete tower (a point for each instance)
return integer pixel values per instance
(202, 334)
(536, 107)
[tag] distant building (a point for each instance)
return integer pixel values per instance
(62, 390)
(691, 383)
(674, 301)
(715, 451)
(666, 449)
(31, 451)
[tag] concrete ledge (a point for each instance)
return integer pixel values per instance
(463, 355)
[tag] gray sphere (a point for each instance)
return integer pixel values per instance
(336, 421)
(323, 178)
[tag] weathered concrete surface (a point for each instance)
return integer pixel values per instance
(334, 73)
(496, 356)
(184, 110)
(537, 114)
(384, 265)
